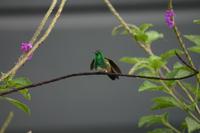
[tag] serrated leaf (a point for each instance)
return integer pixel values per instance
(153, 36)
(147, 73)
(19, 105)
(197, 21)
(194, 38)
(144, 27)
(120, 29)
(149, 86)
(140, 66)
(168, 54)
(149, 120)
(161, 130)
(136, 67)
(192, 124)
(141, 37)
(25, 94)
(156, 62)
(195, 49)
(164, 102)
(20, 82)
(179, 70)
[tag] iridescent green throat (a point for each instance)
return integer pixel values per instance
(99, 60)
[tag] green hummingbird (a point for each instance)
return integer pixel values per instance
(103, 64)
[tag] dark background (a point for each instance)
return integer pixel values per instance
(92, 104)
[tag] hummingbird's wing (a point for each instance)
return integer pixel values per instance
(92, 65)
(114, 67)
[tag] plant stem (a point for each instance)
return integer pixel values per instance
(183, 47)
(12, 90)
(6, 122)
(37, 44)
(147, 49)
(172, 128)
(124, 24)
(181, 104)
(43, 22)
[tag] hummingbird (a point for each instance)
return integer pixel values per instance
(103, 64)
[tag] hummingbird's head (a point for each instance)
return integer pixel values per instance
(99, 54)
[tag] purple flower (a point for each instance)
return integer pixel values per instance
(26, 47)
(169, 18)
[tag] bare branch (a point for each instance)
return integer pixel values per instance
(12, 90)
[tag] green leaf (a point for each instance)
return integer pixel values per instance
(193, 89)
(193, 38)
(197, 21)
(153, 36)
(137, 66)
(120, 29)
(149, 120)
(18, 104)
(144, 27)
(179, 70)
(156, 62)
(161, 130)
(3, 87)
(132, 60)
(20, 82)
(195, 49)
(140, 66)
(164, 102)
(25, 94)
(183, 126)
(140, 36)
(168, 54)
(147, 73)
(192, 124)
(149, 86)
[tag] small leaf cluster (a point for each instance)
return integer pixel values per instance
(13, 83)
(158, 65)
(141, 33)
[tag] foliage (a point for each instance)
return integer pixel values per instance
(183, 95)
(141, 33)
(14, 83)
(155, 65)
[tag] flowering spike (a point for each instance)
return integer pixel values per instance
(169, 18)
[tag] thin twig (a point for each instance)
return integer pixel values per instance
(188, 56)
(6, 122)
(147, 49)
(43, 22)
(12, 90)
(185, 63)
(37, 44)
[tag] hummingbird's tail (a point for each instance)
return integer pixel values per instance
(113, 77)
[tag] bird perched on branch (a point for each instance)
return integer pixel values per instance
(103, 64)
